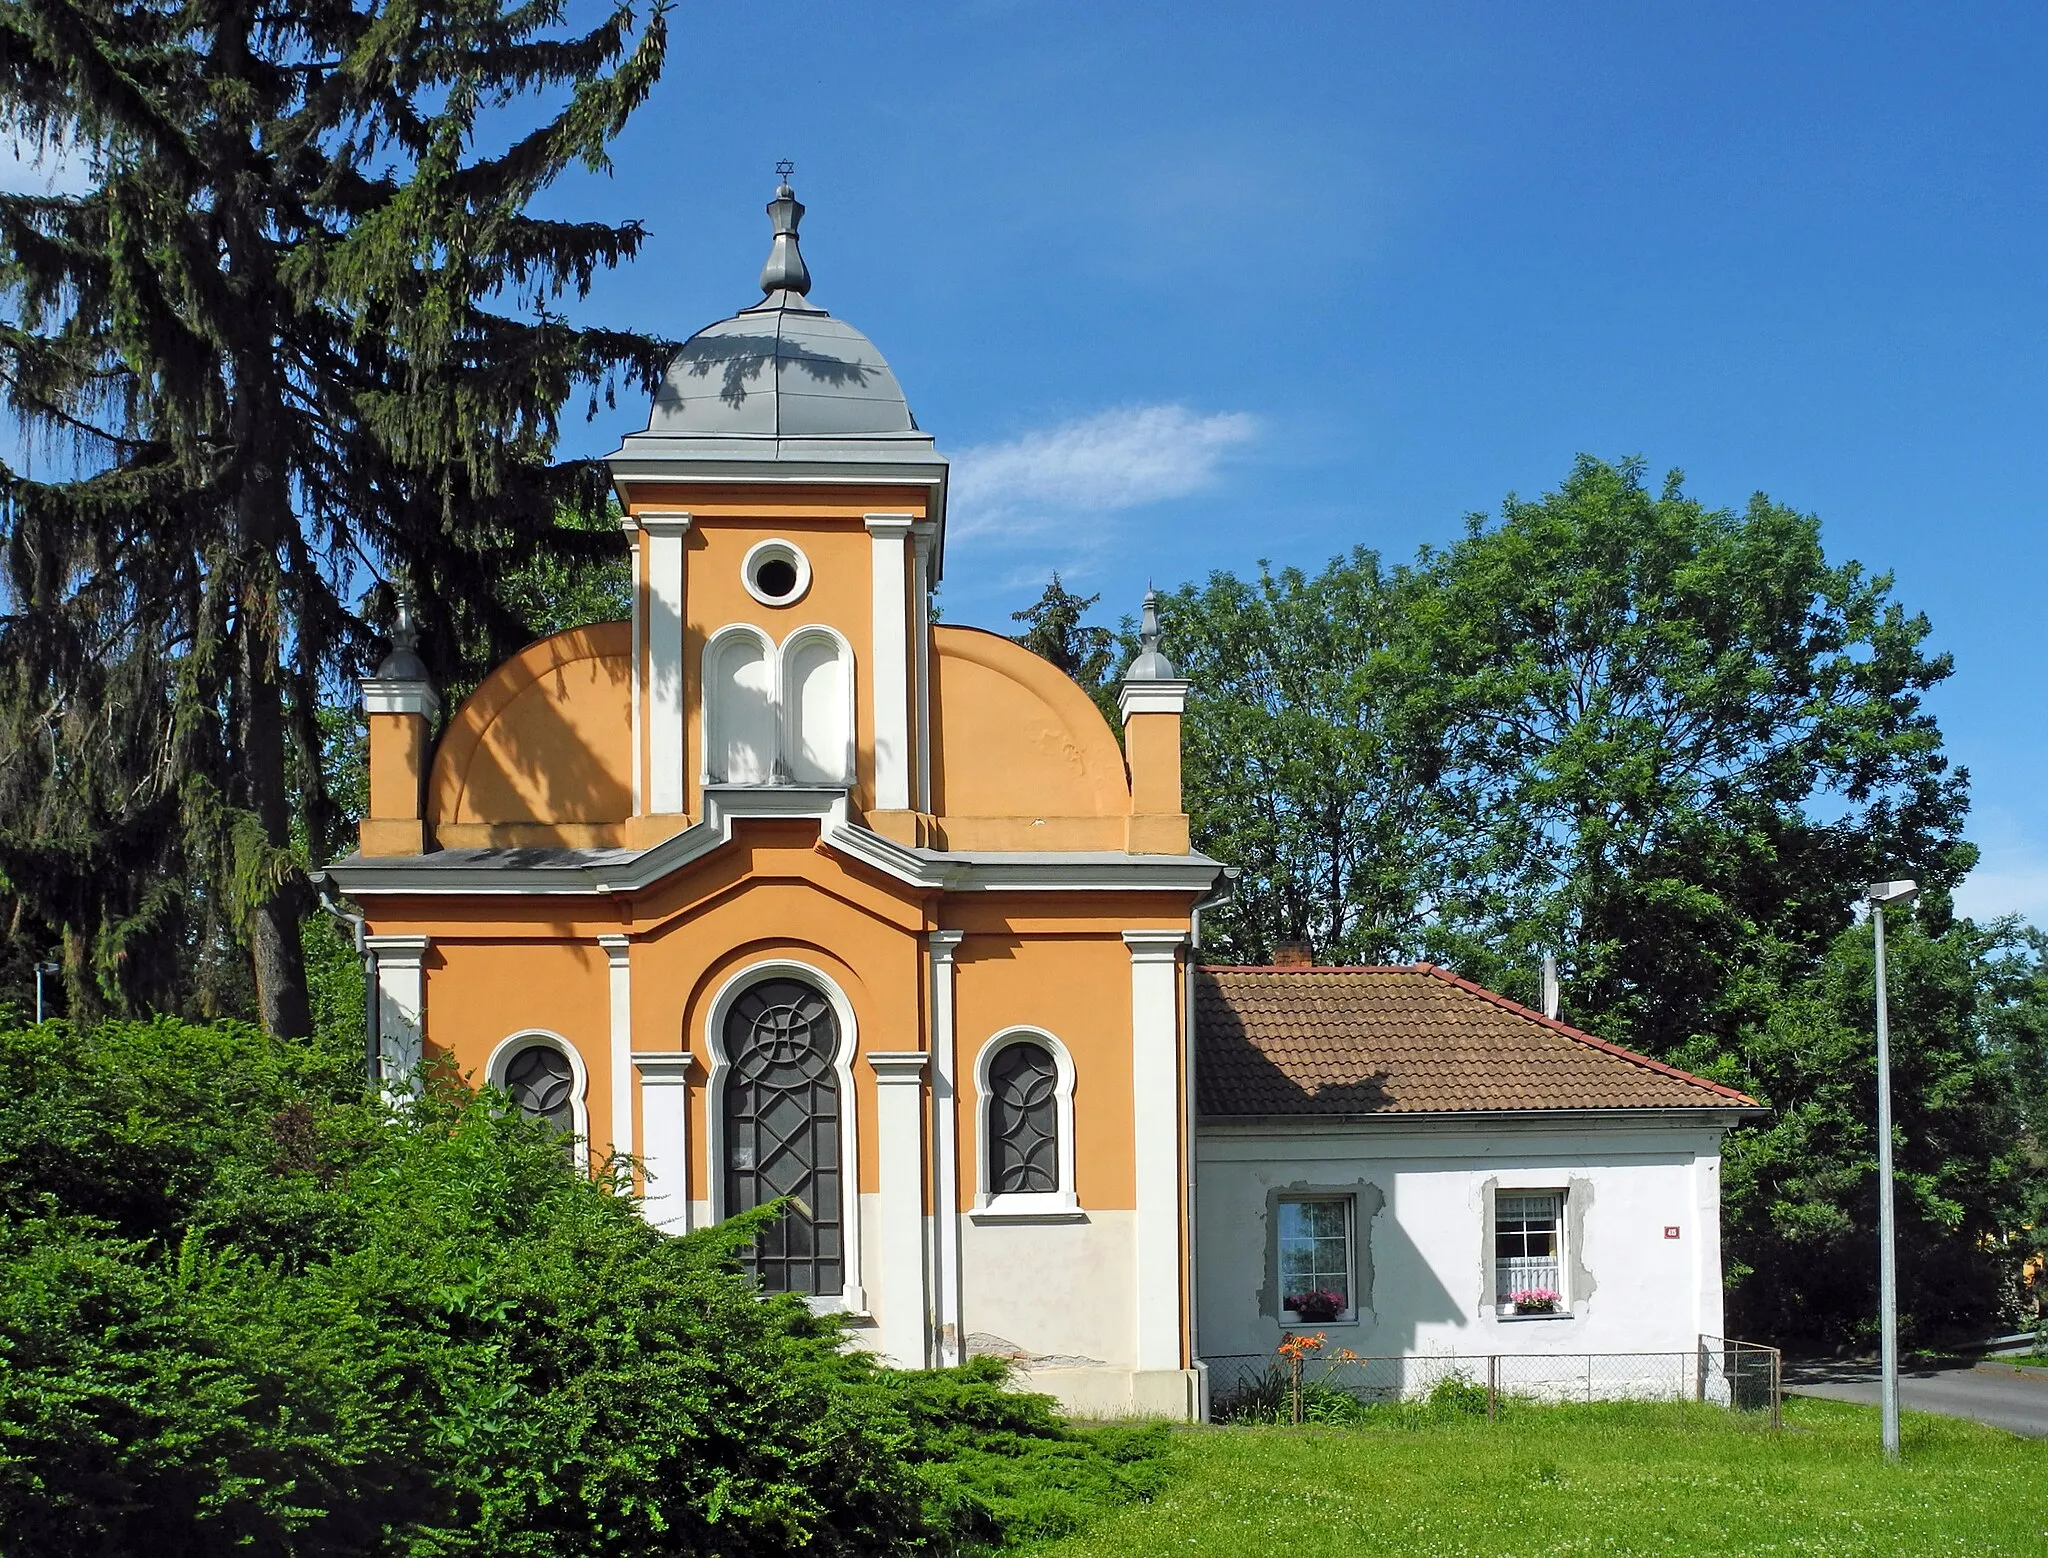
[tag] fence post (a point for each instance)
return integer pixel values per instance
(1492, 1383)
(1699, 1371)
(1589, 1378)
(1296, 1389)
(1777, 1388)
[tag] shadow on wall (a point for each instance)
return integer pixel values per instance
(557, 749)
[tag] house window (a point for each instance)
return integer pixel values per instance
(543, 1076)
(1315, 1259)
(1528, 1248)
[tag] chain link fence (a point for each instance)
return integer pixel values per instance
(1305, 1382)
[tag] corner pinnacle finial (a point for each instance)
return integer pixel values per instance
(1150, 665)
(785, 270)
(403, 664)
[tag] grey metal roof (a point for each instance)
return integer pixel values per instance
(1151, 665)
(782, 368)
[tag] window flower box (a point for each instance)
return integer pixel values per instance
(1318, 1305)
(1535, 1301)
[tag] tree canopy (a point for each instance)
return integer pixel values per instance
(298, 337)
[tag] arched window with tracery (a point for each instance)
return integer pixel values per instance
(1023, 1121)
(1026, 1082)
(542, 1075)
(781, 1131)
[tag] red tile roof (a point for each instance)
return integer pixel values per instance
(1408, 1040)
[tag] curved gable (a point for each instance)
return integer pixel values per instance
(545, 738)
(1014, 736)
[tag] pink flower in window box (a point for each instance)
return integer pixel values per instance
(1535, 1301)
(1317, 1304)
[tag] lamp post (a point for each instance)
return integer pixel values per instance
(1878, 895)
(42, 969)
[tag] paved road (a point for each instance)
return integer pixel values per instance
(2001, 1399)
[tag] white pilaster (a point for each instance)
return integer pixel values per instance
(899, 1076)
(947, 1340)
(1156, 1144)
(401, 1009)
(631, 527)
(889, 660)
(1705, 1234)
(665, 1123)
(618, 950)
(921, 657)
(666, 544)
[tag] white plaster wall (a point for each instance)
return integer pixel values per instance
(1063, 1290)
(1431, 1253)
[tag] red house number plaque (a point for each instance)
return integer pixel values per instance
(1671, 1230)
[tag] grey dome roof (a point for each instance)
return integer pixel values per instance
(781, 367)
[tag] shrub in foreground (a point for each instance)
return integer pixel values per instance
(242, 1307)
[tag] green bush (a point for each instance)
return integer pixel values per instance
(242, 1306)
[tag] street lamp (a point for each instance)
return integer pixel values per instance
(1877, 896)
(42, 969)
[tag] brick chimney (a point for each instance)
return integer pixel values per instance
(1293, 954)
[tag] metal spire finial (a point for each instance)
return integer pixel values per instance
(403, 664)
(785, 270)
(1150, 665)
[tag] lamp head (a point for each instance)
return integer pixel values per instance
(1879, 894)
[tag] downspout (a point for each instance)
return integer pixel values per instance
(1224, 890)
(373, 1064)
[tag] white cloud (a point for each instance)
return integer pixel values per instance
(1118, 459)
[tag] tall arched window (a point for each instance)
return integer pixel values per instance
(818, 705)
(781, 1134)
(1026, 1082)
(739, 707)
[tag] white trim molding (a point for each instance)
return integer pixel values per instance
(1156, 1147)
(925, 536)
(899, 1086)
(788, 716)
(1160, 697)
(401, 1010)
(1060, 1204)
(635, 677)
(665, 1124)
(947, 1333)
(852, 1299)
(890, 665)
(772, 550)
(618, 951)
(501, 1057)
(667, 561)
(396, 695)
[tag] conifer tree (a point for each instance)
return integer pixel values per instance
(299, 335)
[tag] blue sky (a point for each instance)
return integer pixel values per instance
(1184, 287)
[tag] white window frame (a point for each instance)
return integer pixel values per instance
(852, 1299)
(781, 762)
(501, 1057)
(1350, 1204)
(1060, 1204)
(1501, 1308)
(788, 552)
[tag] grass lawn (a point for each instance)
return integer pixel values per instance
(1610, 1478)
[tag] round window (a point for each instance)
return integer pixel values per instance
(776, 573)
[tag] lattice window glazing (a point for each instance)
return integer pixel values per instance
(1527, 1243)
(782, 1133)
(543, 1084)
(1315, 1253)
(1023, 1121)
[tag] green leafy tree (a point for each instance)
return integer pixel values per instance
(1296, 766)
(1969, 1025)
(1669, 742)
(243, 1307)
(299, 331)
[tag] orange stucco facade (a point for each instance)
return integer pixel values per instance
(780, 794)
